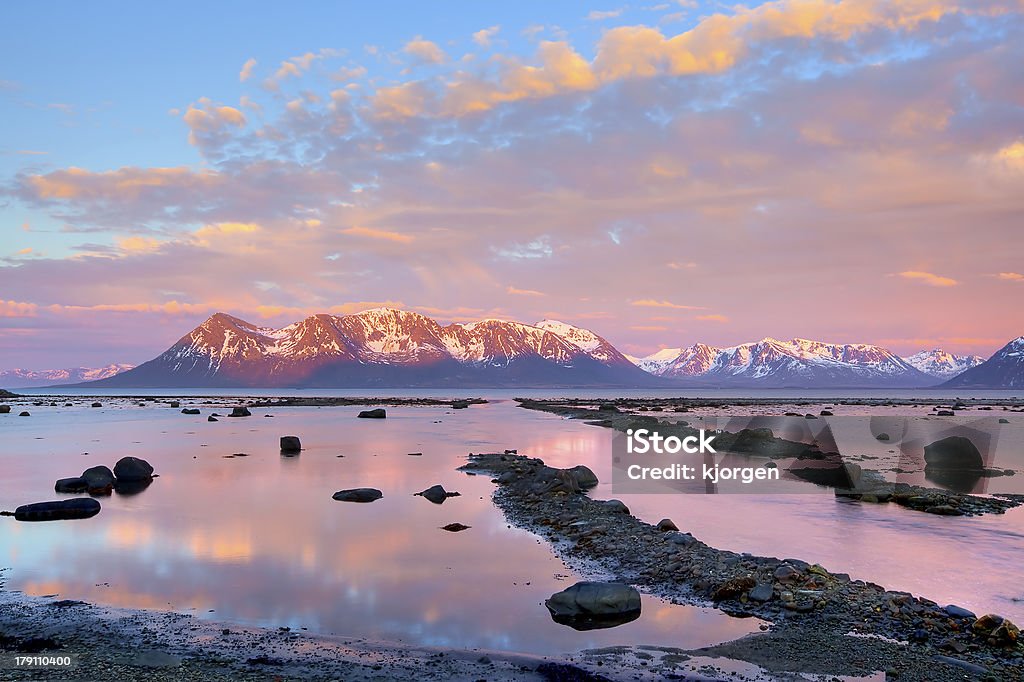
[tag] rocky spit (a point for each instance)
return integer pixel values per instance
(822, 622)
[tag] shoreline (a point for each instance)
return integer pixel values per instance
(822, 622)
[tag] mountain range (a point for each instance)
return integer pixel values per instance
(23, 378)
(389, 348)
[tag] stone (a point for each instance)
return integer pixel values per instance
(211, 418)
(76, 508)
(953, 452)
(98, 478)
(460, 405)
(96, 405)
(733, 588)
(376, 413)
(455, 527)
(24, 414)
(585, 478)
(667, 525)
(240, 412)
(762, 592)
(944, 413)
(590, 605)
(5, 409)
(825, 413)
(70, 485)
(785, 573)
(1004, 420)
(175, 403)
(190, 410)
(132, 469)
(954, 611)
(290, 444)
(615, 506)
(358, 495)
(436, 494)
(882, 436)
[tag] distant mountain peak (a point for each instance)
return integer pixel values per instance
(942, 365)
(1005, 369)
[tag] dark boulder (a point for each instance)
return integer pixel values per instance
(375, 413)
(358, 495)
(211, 418)
(77, 508)
(96, 405)
(666, 525)
(593, 605)
(240, 412)
(175, 403)
(953, 452)
(70, 485)
(436, 494)
(24, 414)
(460, 405)
(98, 478)
(585, 478)
(290, 444)
(131, 469)
(5, 409)
(190, 410)
(455, 527)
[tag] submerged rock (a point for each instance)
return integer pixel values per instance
(290, 444)
(77, 508)
(132, 469)
(436, 494)
(455, 527)
(376, 413)
(592, 605)
(98, 478)
(71, 485)
(358, 495)
(953, 452)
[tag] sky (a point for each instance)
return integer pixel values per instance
(662, 173)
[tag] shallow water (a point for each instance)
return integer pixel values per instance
(259, 540)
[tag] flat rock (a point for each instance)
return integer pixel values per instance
(71, 485)
(77, 508)
(376, 413)
(358, 495)
(436, 494)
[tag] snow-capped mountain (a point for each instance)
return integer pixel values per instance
(387, 348)
(942, 365)
(797, 363)
(27, 378)
(1005, 369)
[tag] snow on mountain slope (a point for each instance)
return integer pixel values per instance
(942, 365)
(24, 378)
(386, 345)
(1005, 369)
(799, 362)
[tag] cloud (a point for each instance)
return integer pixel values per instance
(484, 36)
(523, 292)
(139, 244)
(17, 309)
(207, 121)
(246, 72)
(648, 328)
(713, 318)
(599, 15)
(652, 303)
(373, 233)
(1011, 276)
(424, 51)
(928, 278)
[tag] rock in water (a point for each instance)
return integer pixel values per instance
(585, 478)
(290, 444)
(240, 412)
(953, 452)
(436, 494)
(376, 413)
(5, 409)
(98, 478)
(96, 405)
(70, 485)
(455, 527)
(132, 470)
(592, 605)
(175, 403)
(77, 508)
(211, 418)
(358, 495)
(24, 414)
(460, 405)
(190, 410)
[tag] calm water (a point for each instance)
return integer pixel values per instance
(259, 539)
